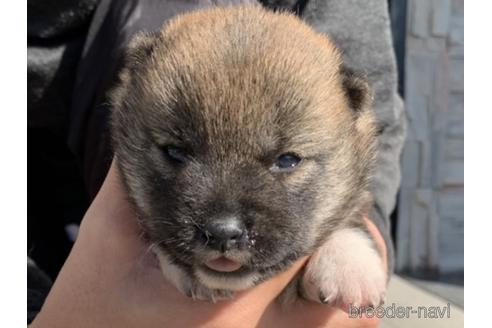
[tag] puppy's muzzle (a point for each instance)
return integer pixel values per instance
(225, 234)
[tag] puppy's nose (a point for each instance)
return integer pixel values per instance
(225, 234)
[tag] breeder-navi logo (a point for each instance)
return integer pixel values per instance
(400, 312)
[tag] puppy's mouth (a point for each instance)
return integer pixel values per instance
(223, 264)
(226, 271)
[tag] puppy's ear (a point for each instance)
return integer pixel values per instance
(359, 98)
(136, 54)
(139, 49)
(357, 91)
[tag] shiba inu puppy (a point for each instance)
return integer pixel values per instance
(244, 145)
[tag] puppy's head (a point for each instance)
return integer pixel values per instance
(241, 140)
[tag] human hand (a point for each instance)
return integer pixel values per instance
(111, 279)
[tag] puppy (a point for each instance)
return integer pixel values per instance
(244, 145)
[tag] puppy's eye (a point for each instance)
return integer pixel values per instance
(175, 154)
(286, 162)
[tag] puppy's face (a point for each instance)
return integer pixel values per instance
(242, 147)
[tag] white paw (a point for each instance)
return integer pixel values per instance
(345, 270)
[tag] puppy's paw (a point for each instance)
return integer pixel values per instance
(345, 270)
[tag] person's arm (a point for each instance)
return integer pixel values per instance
(111, 280)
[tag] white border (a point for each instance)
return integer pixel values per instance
(478, 163)
(13, 170)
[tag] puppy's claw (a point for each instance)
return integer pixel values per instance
(329, 300)
(322, 298)
(383, 299)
